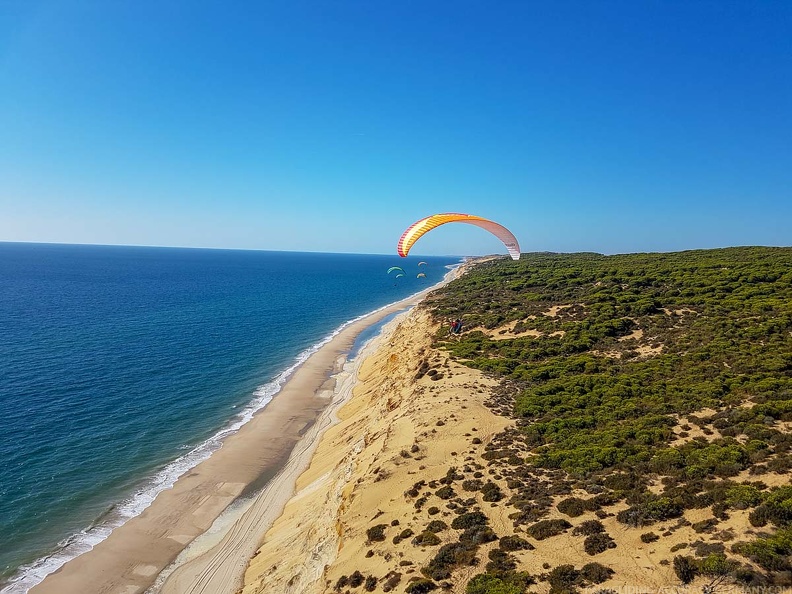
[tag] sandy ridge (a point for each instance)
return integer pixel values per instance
(360, 471)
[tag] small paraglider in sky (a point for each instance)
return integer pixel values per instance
(421, 275)
(392, 268)
(421, 263)
(415, 231)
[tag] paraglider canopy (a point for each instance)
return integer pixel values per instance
(421, 263)
(421, 275)
(415, 231)
(392, 268)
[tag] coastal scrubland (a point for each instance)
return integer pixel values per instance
(601, 422)
(650, 389)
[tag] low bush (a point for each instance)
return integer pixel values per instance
(478, 535)
(406, 533)
(472, 485)
(448, 558)
(491, 492)
(772, 552)
(588, 528)
(356, 579)
(743, 496)
(469, 519)
(342, 582)
(707, 525)
(776, 508)
(572, 507)
(648, 513)
(392, 580)
(500, 561)
(376, 533)
(685, 568)
(420, 586)
(515, 543)
(717, 565)
(598, 543)
(547, 528)
(426, 538)
(510, 583)
(596, 573)
(445, 492)
(563, 579)
(436, 526)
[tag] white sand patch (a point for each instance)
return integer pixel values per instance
(634, 335)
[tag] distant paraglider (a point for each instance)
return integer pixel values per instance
(398, 275)
(421, 263)
(421, 275)
(415, 231)
(401, 270)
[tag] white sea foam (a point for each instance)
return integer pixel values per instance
(75, 545)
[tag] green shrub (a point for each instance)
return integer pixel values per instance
(436, 526)
(356, 579)
(588, 528)
(685, 568)
(478, 535)
(371, 584)
(491, 492)
(406, 533)
(342, 582)
(426, 538)
(392, 580)
(500, 561)
(705, 525)
(420, 586)
(376, 533)
(772, 552)
(648, 513)
(717, 565)
(572, 507)
(472, 485)
(776, 508)
(445, 492)
(469, 519)
(486, 583)
(743, 496)
(547, 528)
(598, 543)
(596, 573)
(563, 579)
(515, 543)
(449, 557)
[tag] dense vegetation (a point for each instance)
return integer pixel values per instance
(630, 368)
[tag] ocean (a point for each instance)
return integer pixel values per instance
(123, 367)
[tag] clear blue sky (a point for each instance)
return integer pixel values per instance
(331, 126)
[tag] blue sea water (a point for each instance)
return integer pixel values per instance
(121, 367)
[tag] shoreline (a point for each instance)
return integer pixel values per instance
(215, 562)
(135, 553)
(399, 426)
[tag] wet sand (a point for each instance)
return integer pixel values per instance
(132, 557)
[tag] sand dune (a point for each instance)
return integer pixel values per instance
(395, 431)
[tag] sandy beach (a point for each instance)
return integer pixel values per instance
(134, 555)
(394, 432)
